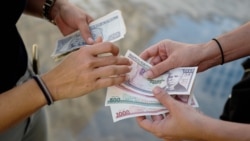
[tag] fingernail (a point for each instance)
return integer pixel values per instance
(127, 77)
(131, 62)
(157, 90)
(148, 74)
(130, 68)
(90, 40)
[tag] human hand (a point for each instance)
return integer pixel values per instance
(69, 18)
(84, 71)
(168, 54)
(183, 122)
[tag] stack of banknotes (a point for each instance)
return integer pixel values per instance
(135, 98)
(110, 27)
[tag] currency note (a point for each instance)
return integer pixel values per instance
(124, 111)
(176, 81)
(110, 27)
(136, 81)
(120, 95)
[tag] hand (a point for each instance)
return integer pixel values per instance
(69, 18)
(168, 54)
(182, 121)
(83, 71)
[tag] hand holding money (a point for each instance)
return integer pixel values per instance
(134, 97)
(110, 27)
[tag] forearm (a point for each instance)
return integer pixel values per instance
(19, 103)
(235, 45)
(217, 130)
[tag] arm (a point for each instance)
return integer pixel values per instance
(185, 122)
(168, 54)
(78, 74)
(67, 16)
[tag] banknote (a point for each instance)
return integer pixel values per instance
(120, 95)
(136, 81)
(110, 27)
(124, 111)
(176, 81)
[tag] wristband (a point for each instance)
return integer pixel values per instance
(47, 6)
(221, 51)
(44, 89)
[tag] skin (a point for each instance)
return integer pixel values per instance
(168, 54)
(183, 122)
(81, 72)
(68, 17)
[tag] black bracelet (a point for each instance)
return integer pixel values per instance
(44, 89)
(221, 51)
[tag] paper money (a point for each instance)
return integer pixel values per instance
(123, 111)
(110, 27)
(120, 95)
(138, 83)
(124, 106)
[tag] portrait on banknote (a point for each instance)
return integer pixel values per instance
(173, 82)
(179, 80)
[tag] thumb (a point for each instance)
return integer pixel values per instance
(163, 97)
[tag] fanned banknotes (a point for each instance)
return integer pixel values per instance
(135, 98)
(138, 83)
(110, 27)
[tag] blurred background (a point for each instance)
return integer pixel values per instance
(147, 22)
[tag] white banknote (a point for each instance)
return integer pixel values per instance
(110, 27)
(124, 111)
(120, 95)
(176, 81)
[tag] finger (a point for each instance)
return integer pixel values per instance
(158, 69)
(104, 47)
(163, 97)
(98, 39)
(85, 30)
(110, 60)
(112, 70)
(155, 60)
(110, 81)
(157, 117)
(149, 52)
(144, 123)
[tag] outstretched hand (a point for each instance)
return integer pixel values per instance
(168, 54)
(84, 70)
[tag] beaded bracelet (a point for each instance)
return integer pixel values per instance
(47, 10)
(44, 89)
(221, 51)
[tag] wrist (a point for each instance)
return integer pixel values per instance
(211, 54)
(47, 10)
(58, 5)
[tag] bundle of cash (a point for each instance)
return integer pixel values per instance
(110, 27)
(135, 98)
